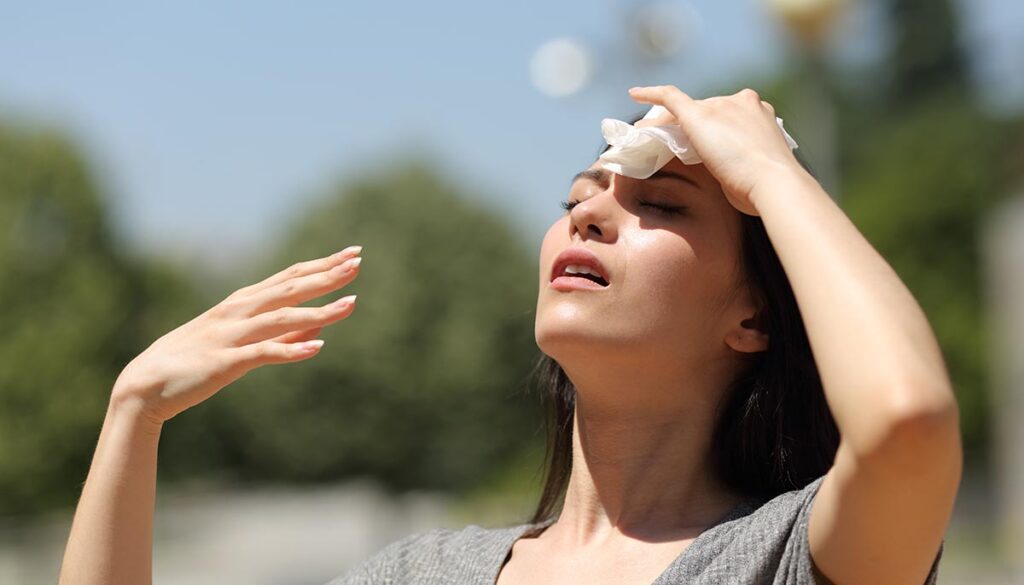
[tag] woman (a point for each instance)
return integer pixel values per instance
(653, 346)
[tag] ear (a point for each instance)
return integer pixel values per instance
(750, 336)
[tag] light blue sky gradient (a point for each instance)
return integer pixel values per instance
(211, 125)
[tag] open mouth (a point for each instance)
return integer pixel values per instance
(577, 268)
(586, 272)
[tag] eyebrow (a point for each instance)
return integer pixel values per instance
(599, 176)
(666, 174)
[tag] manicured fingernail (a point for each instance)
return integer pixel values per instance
(349, 251)
(344, 302)
(347, 300)
(311, 345)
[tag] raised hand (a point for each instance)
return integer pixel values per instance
(253, 326)
(736, 136)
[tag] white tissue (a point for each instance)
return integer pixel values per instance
(640, 152)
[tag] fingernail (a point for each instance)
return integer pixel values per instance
(347, 300)
(348, 251)
(311, 345)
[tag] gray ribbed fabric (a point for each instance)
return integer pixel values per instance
(755, 543)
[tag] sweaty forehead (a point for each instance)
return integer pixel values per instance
(698, 173)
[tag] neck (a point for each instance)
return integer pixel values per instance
(641, 455)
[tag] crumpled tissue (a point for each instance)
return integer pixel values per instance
(640, 152)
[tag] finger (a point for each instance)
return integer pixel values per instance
(266, 326)
(299, 290)
(271, 352)
(769, 107)
(295, 336)
(300, 269)
(666, 119)
(670, 96)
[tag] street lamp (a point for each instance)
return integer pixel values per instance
(808, 20)
(656, 33)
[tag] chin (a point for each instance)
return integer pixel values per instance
(563, 339)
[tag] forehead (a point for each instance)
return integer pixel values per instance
(697, 172)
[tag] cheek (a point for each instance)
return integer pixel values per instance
(668, 287)
(659, 264)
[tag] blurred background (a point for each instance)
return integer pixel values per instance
(156, 157)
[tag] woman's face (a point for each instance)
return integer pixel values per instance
(668, 249)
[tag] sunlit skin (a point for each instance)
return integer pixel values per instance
(649, 355)
(661, 260)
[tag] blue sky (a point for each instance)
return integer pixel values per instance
(211, 125)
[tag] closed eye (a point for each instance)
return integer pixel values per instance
(662, 209)
(569, 204)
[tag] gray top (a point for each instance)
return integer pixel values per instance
(755, 543)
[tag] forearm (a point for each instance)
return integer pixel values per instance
(879, 361)
(111, 537)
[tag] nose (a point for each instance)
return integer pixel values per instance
(594, 217)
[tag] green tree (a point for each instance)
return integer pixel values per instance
(921, 165)
(927, 55)
(74, 311)
(919, 192)
(424, 385)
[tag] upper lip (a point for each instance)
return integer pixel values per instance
(579, 257)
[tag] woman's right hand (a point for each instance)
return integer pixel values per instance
(253, 326)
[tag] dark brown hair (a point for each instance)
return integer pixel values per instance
(773, 432)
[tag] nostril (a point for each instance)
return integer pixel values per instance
(594, 229)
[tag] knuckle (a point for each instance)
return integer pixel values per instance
(252, 353)
(225, 308)
(280, 316)
(293, 270)
(262, 351)
(750, 93)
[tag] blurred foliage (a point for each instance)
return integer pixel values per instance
(74, 310)
(919, 192)
(423, 385)
(927, 54)
(922, 164)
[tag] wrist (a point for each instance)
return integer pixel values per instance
(129, 408)
(781, 180)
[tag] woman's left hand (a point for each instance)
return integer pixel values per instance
(736, 137)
